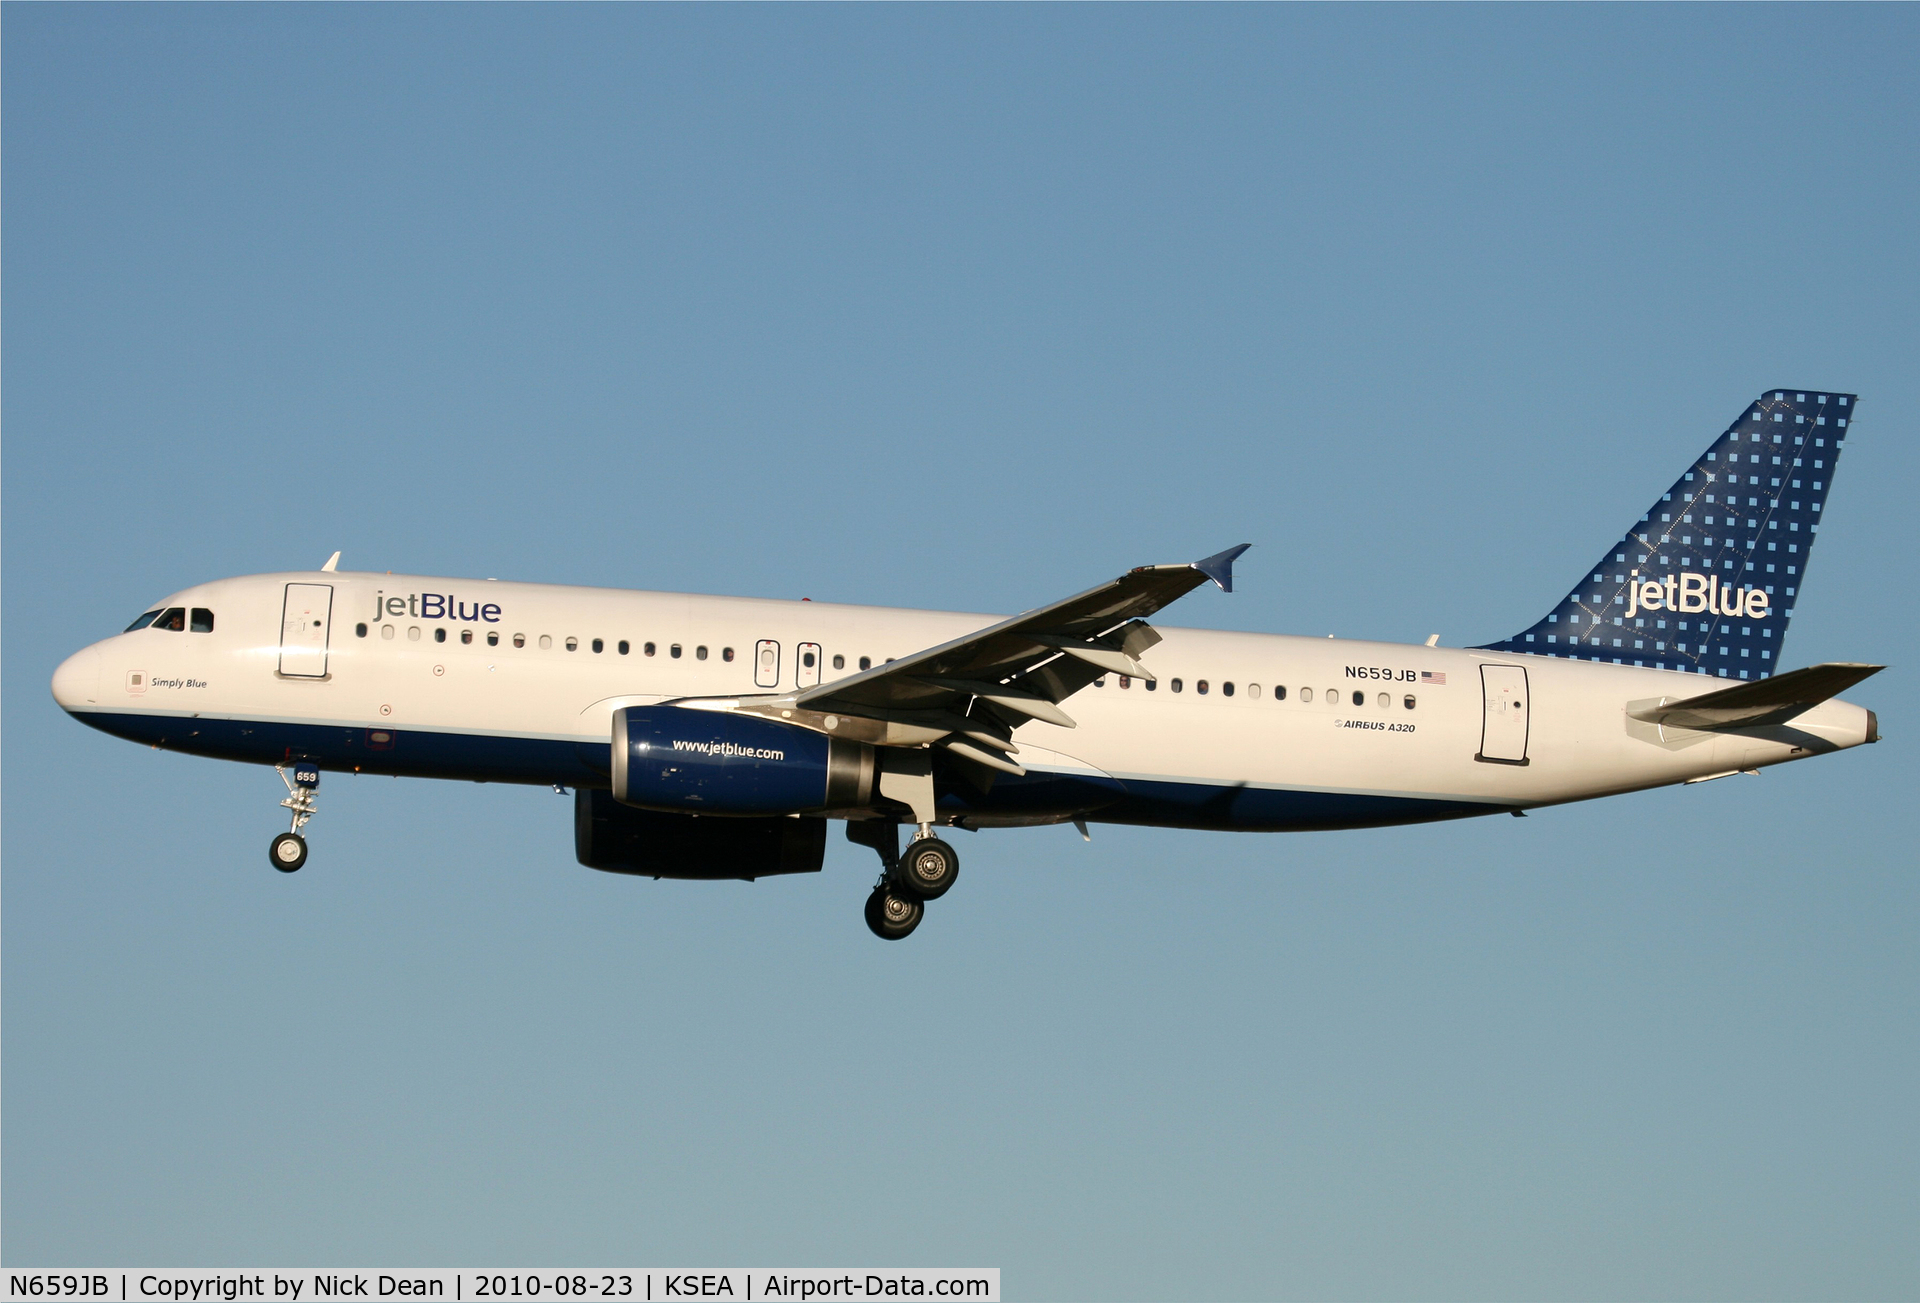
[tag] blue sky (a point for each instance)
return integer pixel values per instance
(967, 308)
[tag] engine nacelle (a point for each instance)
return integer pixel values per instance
(718, 762)
(617, 838)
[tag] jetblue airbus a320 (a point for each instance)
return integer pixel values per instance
(714, 737)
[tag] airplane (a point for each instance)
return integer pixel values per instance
(713, 737)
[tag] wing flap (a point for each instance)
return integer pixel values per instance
(1027, 705)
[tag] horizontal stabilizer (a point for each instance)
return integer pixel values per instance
(1765, 701)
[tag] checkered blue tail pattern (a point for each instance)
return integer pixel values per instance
(1706, 582)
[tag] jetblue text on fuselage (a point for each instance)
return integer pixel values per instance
(434, 606)
(1695, 592)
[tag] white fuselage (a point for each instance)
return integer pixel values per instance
(509, 674)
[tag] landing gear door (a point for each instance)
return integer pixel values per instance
(807, 674)
(766, 663)
(303, 630)
(1504, 721)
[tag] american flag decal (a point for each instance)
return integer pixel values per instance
(1437, 680)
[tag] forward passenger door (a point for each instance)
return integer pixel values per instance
(304, 619)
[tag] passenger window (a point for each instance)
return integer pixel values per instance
(699, 653)
(1408, 703)
(1253, 691)
(466, 636)
(726, 654)
(1153, 685)
(413, 633)
(173, 619)
(1279, 692)
(1226, 689)
(493, 639)
(439, 635)
(359, 630)
(647, 650)
(546, 642)
(1201, 687)
(1333, 696)
(146, 618)
(386, 632)
(674, 651)
(839, 662)
(1386, 701)
(573, 644)
(202, 620)
(1359, 698)
(866, 662)
(1306, 694)
(519, 639)
(807, 658)
(598, 646)
(622, 647)
(1100, 682)
(1177, 685)
(1125, 682)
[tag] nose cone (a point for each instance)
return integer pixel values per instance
(76, 684)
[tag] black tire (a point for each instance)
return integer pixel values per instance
(288, 852)
(927, 869)
(892, 916)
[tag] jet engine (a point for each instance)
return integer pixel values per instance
(673, 759)
(619, 839)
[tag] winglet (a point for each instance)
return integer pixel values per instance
(1219, 566)
(332, 562)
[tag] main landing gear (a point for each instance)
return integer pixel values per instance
(892, 914)
(907, 883)
(289, 850)
(929, 867)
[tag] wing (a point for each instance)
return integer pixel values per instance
(969, 695)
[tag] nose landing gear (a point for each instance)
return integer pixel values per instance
(289, 850)
(907, 883)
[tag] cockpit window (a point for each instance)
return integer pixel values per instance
(174, 619)
(202, 620)
(144, 619)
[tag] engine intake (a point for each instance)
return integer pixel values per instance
(717, 762)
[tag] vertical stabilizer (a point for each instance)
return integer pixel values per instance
(1707, 580)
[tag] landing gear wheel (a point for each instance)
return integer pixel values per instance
(288, 852)
(892, 915)
(928, 869)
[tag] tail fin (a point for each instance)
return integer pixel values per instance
(1706, 582)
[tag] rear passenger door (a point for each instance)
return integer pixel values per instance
(305, 616)
(1504, 715)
